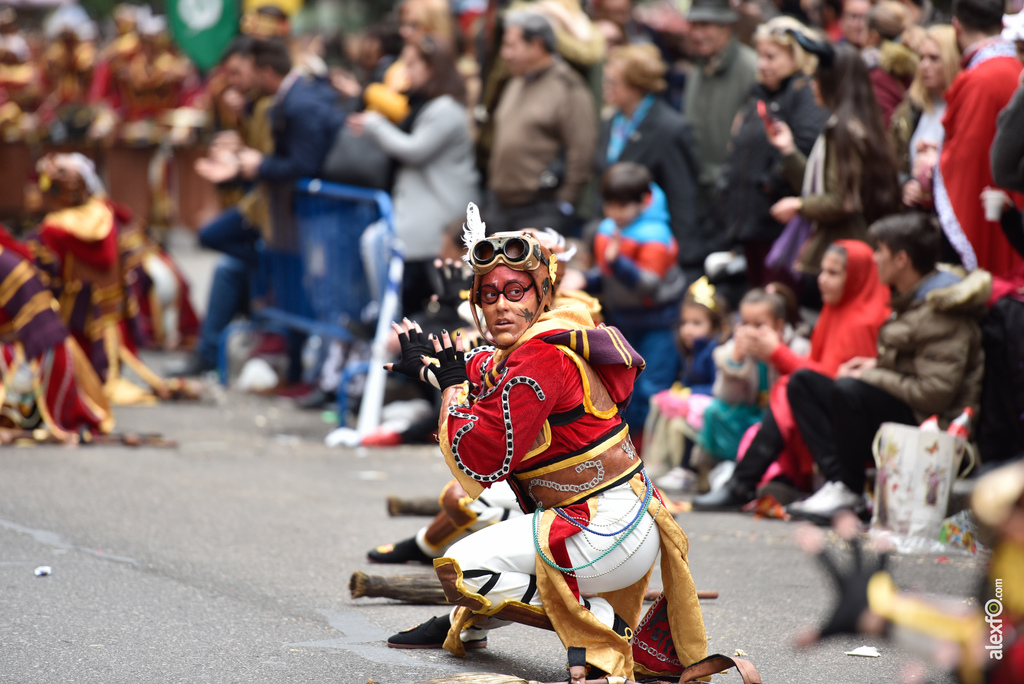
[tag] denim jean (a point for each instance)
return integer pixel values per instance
(229, 296)
(231, 234)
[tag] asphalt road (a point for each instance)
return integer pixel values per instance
(227, 559)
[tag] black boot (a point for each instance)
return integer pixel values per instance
(405, 551)
(430, 634)
(733, 496)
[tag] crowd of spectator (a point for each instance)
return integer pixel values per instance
(742, 157)
(806, 167)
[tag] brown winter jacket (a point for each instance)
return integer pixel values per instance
(830, 210)
(929, 352)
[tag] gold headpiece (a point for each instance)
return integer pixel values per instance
(703, 292)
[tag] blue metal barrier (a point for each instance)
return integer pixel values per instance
(320, 287)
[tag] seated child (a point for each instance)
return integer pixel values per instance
(702, 326)
(638, 278)
(742, 381)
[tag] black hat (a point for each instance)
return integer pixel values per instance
(825, 53)
(712, 12)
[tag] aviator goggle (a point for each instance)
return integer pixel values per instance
(521, 252)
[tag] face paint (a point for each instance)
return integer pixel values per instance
(506, 320)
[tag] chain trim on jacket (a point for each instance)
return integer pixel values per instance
(509, 442)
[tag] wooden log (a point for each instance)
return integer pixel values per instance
(425, 589)
(40, 436)
(420, 588)
(424, 506)
(471, 678)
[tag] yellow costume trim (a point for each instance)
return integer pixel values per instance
(91, 221)
(21, 274)
(486, 604)
(588, 403)
(44, 411)
(585, 456)
(577, 626)
(41, 301)
(90, 388)
(463, 505)
(620, 346)
(117, 389)
(572, 317)
(546, 431)
(460, 397)
(465, 616)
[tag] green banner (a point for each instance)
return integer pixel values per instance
(203, 28)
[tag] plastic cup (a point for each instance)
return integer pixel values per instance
(994, 200)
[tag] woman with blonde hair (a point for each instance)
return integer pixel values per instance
(916, 129)
(754, 180)
(641, 127)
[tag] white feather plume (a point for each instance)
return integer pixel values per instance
(473, 230)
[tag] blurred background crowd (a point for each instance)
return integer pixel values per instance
(709, 170)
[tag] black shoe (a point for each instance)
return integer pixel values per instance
(732, 496)
(317, 399)
(189, 367)
(405, 551)
(430, 634)
(782, 490)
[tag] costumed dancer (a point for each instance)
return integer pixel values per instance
(21, 88)
(68, 63)
(461, 514)
(550, 392)
(48, 385)
(77, 247)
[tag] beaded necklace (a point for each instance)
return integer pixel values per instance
(626, 532)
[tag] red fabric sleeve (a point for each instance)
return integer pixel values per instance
(498, 428)
(101, 254)
(787, 362)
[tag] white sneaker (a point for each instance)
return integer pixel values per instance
(677, 479)
(827, 501)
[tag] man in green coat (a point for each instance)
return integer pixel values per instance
(716, 88)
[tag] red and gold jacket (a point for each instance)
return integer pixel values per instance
(545, 415)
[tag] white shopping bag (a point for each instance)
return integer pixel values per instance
(916, 470)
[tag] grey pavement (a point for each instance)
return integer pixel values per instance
(226, 559)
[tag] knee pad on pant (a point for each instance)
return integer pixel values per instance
(454, 519)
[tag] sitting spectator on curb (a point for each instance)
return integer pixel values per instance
(742, 380)
(856, 306)
(703, 325)
(930, 362)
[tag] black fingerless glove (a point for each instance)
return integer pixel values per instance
(852, 585)
(414, 344)
(452, 370)
(454, 280)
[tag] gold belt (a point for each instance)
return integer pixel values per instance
(580, 477)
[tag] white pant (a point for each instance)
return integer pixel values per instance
(497, 504)
(500, 561)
